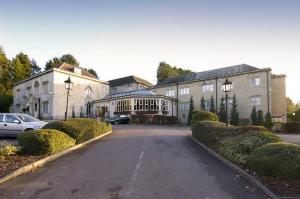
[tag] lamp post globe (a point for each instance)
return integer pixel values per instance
(227, 87)
(68, 87)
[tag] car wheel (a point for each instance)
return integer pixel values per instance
(26, 130)
(116, 123)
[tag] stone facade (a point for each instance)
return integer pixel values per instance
(252, 88)
(44, 95)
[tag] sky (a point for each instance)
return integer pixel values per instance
(120, 37)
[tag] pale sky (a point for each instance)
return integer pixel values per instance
(120, 38)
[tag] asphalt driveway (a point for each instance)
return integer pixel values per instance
(134, 162)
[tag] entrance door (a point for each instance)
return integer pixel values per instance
(89, 109)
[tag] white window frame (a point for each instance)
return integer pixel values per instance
(170, 93)
(45, 87)
(45, 107)
(255, 81)
(184, 91)
(208, 88)
(255, 100)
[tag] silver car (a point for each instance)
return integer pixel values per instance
(12, 124)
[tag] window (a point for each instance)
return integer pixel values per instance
(45, 107)
(18, 94)
(207, 88)
(88, 92)
(254, 81)
(1, 117)
(29, 91)
(45, 87)
(207, 104)
(18, 108)
(184, 91)
(170, 93)
(145, 104)
(255, 100)
(11, 119)
(184, 106)
(36, 88)
(164, 105)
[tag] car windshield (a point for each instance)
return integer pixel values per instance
(27, 118)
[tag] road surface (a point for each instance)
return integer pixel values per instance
(134, 162)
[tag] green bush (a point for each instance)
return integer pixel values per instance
(245, 129)
(153, 119)
(44, 141)
(238, 148)
(203, 116)
(210, 132)
(291, 127)
(7, 149)
(279, 160)
(81, 129)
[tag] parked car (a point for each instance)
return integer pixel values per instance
(122, 119)
(12, 124)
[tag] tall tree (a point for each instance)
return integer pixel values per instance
(191, 110)
(22, 67)
(93, 72)
(164, 71)
(56, 62)
(254, 116)
(222, 111)
(268, 121)
(260, 118)
(212, 105)
(35, 68)
(202, 104)
(235, 116)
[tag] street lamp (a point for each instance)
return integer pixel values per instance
(68, 87)
(226, 87)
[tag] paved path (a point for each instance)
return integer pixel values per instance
(291, 138)
(134, 162)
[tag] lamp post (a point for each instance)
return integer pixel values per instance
(226, 87)
(68, 87)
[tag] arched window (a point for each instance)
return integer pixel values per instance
(88, 92)
(36, 88)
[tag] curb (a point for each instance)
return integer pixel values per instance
(237, 169)
(39, 163)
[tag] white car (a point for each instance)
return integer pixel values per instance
(12, 124)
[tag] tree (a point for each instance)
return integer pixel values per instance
(164, 71)
(260, 118)
(56, 62)
(268, 121)
(93, 72)
(35, 69)
(191, 110)
(222, 111)
(202, 104)
(22, 67)
(212, 105)
(235, 116)
(254, 116)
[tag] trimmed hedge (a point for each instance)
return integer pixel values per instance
(291, 127)
(245, 129)
(81, 129)
(200, 115)
(238, 148)
(279, 160)
(153, 119)
(44, 141)
(211, 132)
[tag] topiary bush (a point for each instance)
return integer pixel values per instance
(291, 127)
(238, 148)
(44, 142)
(210, 132)
(81, 129)
(279, 160)
(200, 115)
(7, 149)
(245, 129)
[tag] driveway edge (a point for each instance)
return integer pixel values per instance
(237, 169)
(39, 163)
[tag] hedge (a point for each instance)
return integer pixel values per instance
(153, 119)
(291, 127)
(238, 148)
(279, 160)
(200, 115)
(81, 129)
(44, 141)
(7, 149)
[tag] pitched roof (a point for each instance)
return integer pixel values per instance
(70, 68)
(128, 80)
(220, 72)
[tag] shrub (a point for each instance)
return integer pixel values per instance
(202, 116)
(81, 129)
(245, 129)
(44, 141)
(260, 118)
(291, 127)
(191, 110)
(254, 116)
(268, 121)
(279, 160)
(141, 119)
(153, 119)
(7, 149)
(210, 132)
(238, 148)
